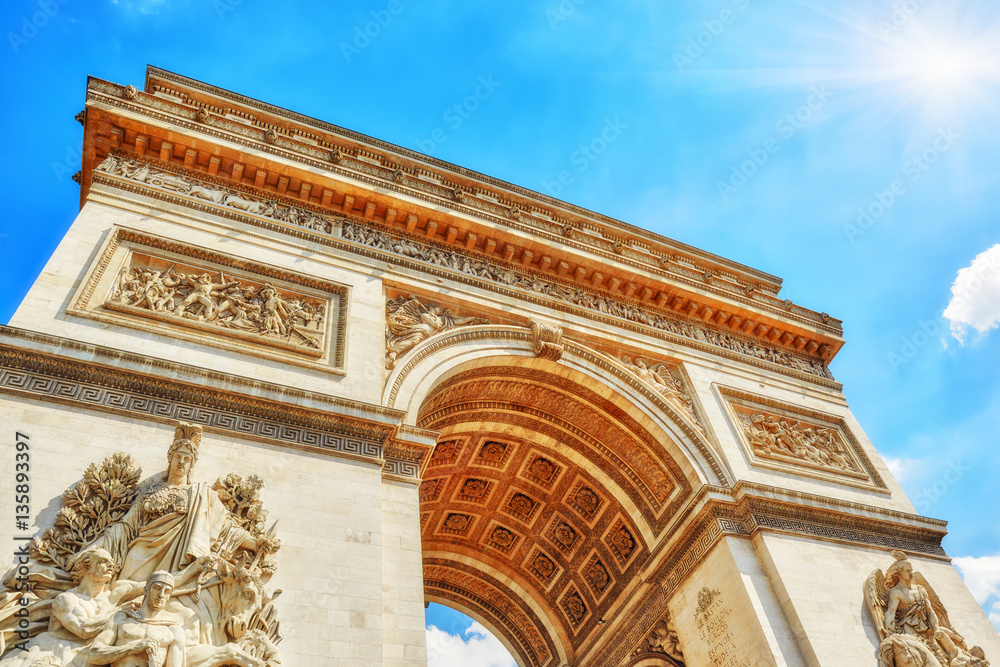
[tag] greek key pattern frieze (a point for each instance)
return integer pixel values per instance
(97, 396)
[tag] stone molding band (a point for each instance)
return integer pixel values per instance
(393, 176)
(70, 381)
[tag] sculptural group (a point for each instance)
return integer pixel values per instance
(228, 303)
(770, 435)
(912, 623)
(196, 554)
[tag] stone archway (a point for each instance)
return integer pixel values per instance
(550, 487)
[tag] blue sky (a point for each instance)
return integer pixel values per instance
(848, 148)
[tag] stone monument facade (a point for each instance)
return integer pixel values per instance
(282, 383)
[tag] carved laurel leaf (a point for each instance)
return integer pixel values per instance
(242, 498)
(104, 495)
(77, 495)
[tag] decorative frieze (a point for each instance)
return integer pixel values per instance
(176, 290)
(795, 439)
(594, 301)
(139, 171)
(90, 386)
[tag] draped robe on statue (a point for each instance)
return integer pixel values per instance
(167, 528)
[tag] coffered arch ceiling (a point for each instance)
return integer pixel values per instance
(544, 499)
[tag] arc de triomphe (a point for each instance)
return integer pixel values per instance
(609, 447)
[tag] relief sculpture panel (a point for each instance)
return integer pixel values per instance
(174, 289)
(161, 572)
(192, 296)
(797, 439)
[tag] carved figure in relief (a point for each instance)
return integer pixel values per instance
(770, 435)
(167, 526)
(912, 622)
(409, 323)
(226, 303)
(662, 377)
(203, 291)
(663, 640)
(147, 637)
(78, 614)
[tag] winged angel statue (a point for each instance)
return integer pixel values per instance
(912, 622)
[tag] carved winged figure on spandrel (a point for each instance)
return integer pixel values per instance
(115, 536)
(912, 622)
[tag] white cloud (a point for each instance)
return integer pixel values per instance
(478, 647)
(982, 576)
(903, 469)
(975, 295)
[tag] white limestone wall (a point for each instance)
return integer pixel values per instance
(349, 564)
(44, 308)
(819, 587)
(403, 627)
(744, 625)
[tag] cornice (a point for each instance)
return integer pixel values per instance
(93, 377)
(157, 78)
(496, 276)
(380, 172)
